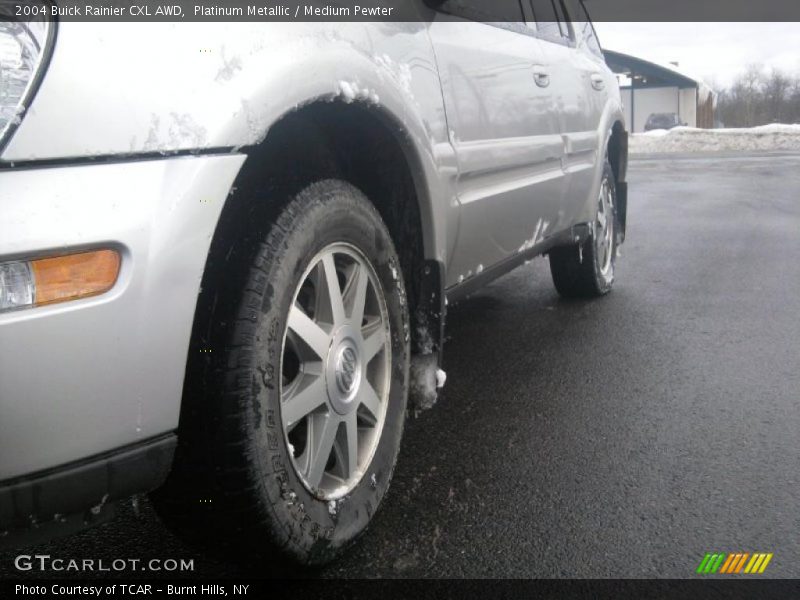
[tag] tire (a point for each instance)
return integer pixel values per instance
(586, 269)
(248, 465)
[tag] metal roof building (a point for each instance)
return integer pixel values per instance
(649, 87)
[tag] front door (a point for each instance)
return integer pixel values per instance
(497, 94)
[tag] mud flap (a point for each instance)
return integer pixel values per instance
(427, 336)
(622, 207)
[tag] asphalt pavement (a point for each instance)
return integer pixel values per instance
(622, 437)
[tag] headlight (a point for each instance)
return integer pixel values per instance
(24, 48)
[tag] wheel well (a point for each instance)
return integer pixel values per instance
(356, 143)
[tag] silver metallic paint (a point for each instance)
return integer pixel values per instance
(88, 376)
(84, 377)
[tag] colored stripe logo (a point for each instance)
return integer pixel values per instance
(734, 563)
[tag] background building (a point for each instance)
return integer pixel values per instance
(649, 88)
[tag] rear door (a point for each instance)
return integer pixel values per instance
(579, 97)
(507, 142)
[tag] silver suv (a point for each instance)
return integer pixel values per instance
(227, 250)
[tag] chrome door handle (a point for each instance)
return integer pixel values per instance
(541, 78)
(598, 82)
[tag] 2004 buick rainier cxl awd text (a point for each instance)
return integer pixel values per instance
(226, 257)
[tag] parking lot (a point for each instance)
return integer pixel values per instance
(624, 437)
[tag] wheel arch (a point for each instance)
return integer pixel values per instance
(368, 146)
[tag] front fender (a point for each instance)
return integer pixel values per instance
(612, 116)
(122, 89)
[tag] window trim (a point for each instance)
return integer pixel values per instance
(571, 41)
(521, 27)
(468, 14)
(601, 55)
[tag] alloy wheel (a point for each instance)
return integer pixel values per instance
(335, 368)
(604, 230)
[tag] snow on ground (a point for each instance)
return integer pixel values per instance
(689, 139)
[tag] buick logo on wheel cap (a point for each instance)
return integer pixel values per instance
(347, 370)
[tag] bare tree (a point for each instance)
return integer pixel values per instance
(794, 101)
(776, 94)
(758, 98)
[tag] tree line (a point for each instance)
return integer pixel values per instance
(760, 97)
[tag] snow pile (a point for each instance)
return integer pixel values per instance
(689, 139)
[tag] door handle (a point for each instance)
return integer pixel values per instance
(598, 82)
(541, 77)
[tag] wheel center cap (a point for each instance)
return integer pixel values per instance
(348, 368)
(344, 370)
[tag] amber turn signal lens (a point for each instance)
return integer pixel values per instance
(74, 276)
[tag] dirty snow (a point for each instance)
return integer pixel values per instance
(441, 379)
(181, 130)
(337, 497)
(776, 137)
(538, 236)
(351, 91)
(229, 67)
(95, 510)
(423, 380)
(348, 91)
(400, 72)
(425, 340)
(339, 492)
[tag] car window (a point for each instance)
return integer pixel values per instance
(480, 10)
(550, 22)
(584, 30)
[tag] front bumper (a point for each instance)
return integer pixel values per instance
(71, 497)
(83, 378)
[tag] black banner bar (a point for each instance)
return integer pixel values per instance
(641, 589)
(384, 10)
